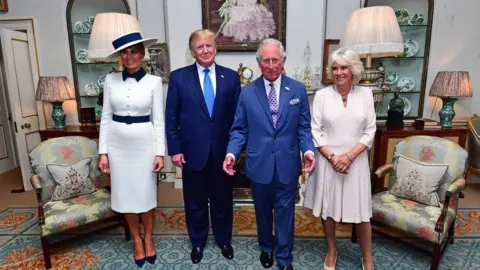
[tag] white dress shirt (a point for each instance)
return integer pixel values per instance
(211, 73)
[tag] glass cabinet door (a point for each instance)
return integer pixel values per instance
(407, 73)
(89, 76)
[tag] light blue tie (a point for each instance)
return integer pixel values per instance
(208, 92)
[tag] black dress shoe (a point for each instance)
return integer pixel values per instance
(266, 258)
(227, 251)
(289, 267)
(196, 255)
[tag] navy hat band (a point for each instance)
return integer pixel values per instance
(119, 42)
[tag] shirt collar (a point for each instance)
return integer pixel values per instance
(211, 68)
(276, 83)
(136, 75)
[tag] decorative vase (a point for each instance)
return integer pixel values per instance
(447, 113)
(395, 112)
(58, 115)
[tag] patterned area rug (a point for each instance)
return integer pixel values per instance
(20, 246)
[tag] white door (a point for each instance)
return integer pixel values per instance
(21, 79)
(7, 154)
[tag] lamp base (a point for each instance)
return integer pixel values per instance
(58, 115)
(447, 113)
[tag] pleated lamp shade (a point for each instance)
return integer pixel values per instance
(451, 84)
(374, 32)
(106, 28)
(54, 88)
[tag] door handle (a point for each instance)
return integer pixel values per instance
(27, 125)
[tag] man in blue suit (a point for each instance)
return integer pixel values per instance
(200, 110)
(273, 120)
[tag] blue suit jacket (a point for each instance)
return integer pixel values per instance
(267, 146)
(188, 125)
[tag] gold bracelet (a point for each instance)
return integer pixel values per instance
(349, 158)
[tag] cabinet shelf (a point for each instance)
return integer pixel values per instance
(413, 69)
(86, 73)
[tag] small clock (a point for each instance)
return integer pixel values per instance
(245, 73)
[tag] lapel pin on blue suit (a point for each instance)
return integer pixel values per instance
(221, 75)
(286, 88)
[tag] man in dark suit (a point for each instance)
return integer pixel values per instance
(273, 120)
(200, 109)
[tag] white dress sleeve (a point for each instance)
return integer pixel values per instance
(370, 125)
(318, 133)
(106, 118)
(158, 115)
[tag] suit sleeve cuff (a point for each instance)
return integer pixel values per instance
(231, 155)
(308, 151)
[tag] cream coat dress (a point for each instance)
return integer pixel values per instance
(131, 149)
(343, 197)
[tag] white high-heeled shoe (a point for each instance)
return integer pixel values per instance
(325, 267)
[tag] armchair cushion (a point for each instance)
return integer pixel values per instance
(72, 180)
(72, 213)
(409, 216)
(418, 181)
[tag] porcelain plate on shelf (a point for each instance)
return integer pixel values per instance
(391, 77)
(416, 19)
(92, 89)
(101, 80)
(402, 15)
(81, 55)
(410, 47)
(406, 83)
(408, 106)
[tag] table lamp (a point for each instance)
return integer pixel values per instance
(106, 28)
(449, 86)
(372, 32)
(55, 89)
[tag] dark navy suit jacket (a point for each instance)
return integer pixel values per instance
(189, 127)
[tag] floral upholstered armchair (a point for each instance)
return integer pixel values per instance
(69, 189)
(426, 180)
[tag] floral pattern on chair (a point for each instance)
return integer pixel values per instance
(63, 150)
(61, 215)
(75, 212)
(434, 224)
(410, 216)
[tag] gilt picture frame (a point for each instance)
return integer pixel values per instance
(329, 46)
(3, 5)
(240, 25)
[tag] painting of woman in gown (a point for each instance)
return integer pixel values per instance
(239, 25)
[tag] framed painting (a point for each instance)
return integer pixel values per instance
(3, 5)
(329, 47)
(159, 63)
(240, 25)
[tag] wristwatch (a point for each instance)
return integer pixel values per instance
(330, 156)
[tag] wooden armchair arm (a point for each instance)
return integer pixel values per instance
(453, 190)
(383, 170)
(36, 184)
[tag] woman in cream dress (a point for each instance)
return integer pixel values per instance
(343, 128)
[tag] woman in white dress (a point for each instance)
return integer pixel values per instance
(343, 128)
(132, 140)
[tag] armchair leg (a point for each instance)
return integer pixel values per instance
(125, 227)
(436, 257)
(354, 234)
(451, 231)
(46, 253)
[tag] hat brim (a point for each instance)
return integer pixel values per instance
(147, 42)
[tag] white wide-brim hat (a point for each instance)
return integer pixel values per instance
(128, 40)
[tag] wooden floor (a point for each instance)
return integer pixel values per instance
(167, 194)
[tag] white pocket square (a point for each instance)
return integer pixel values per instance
(294, 101)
